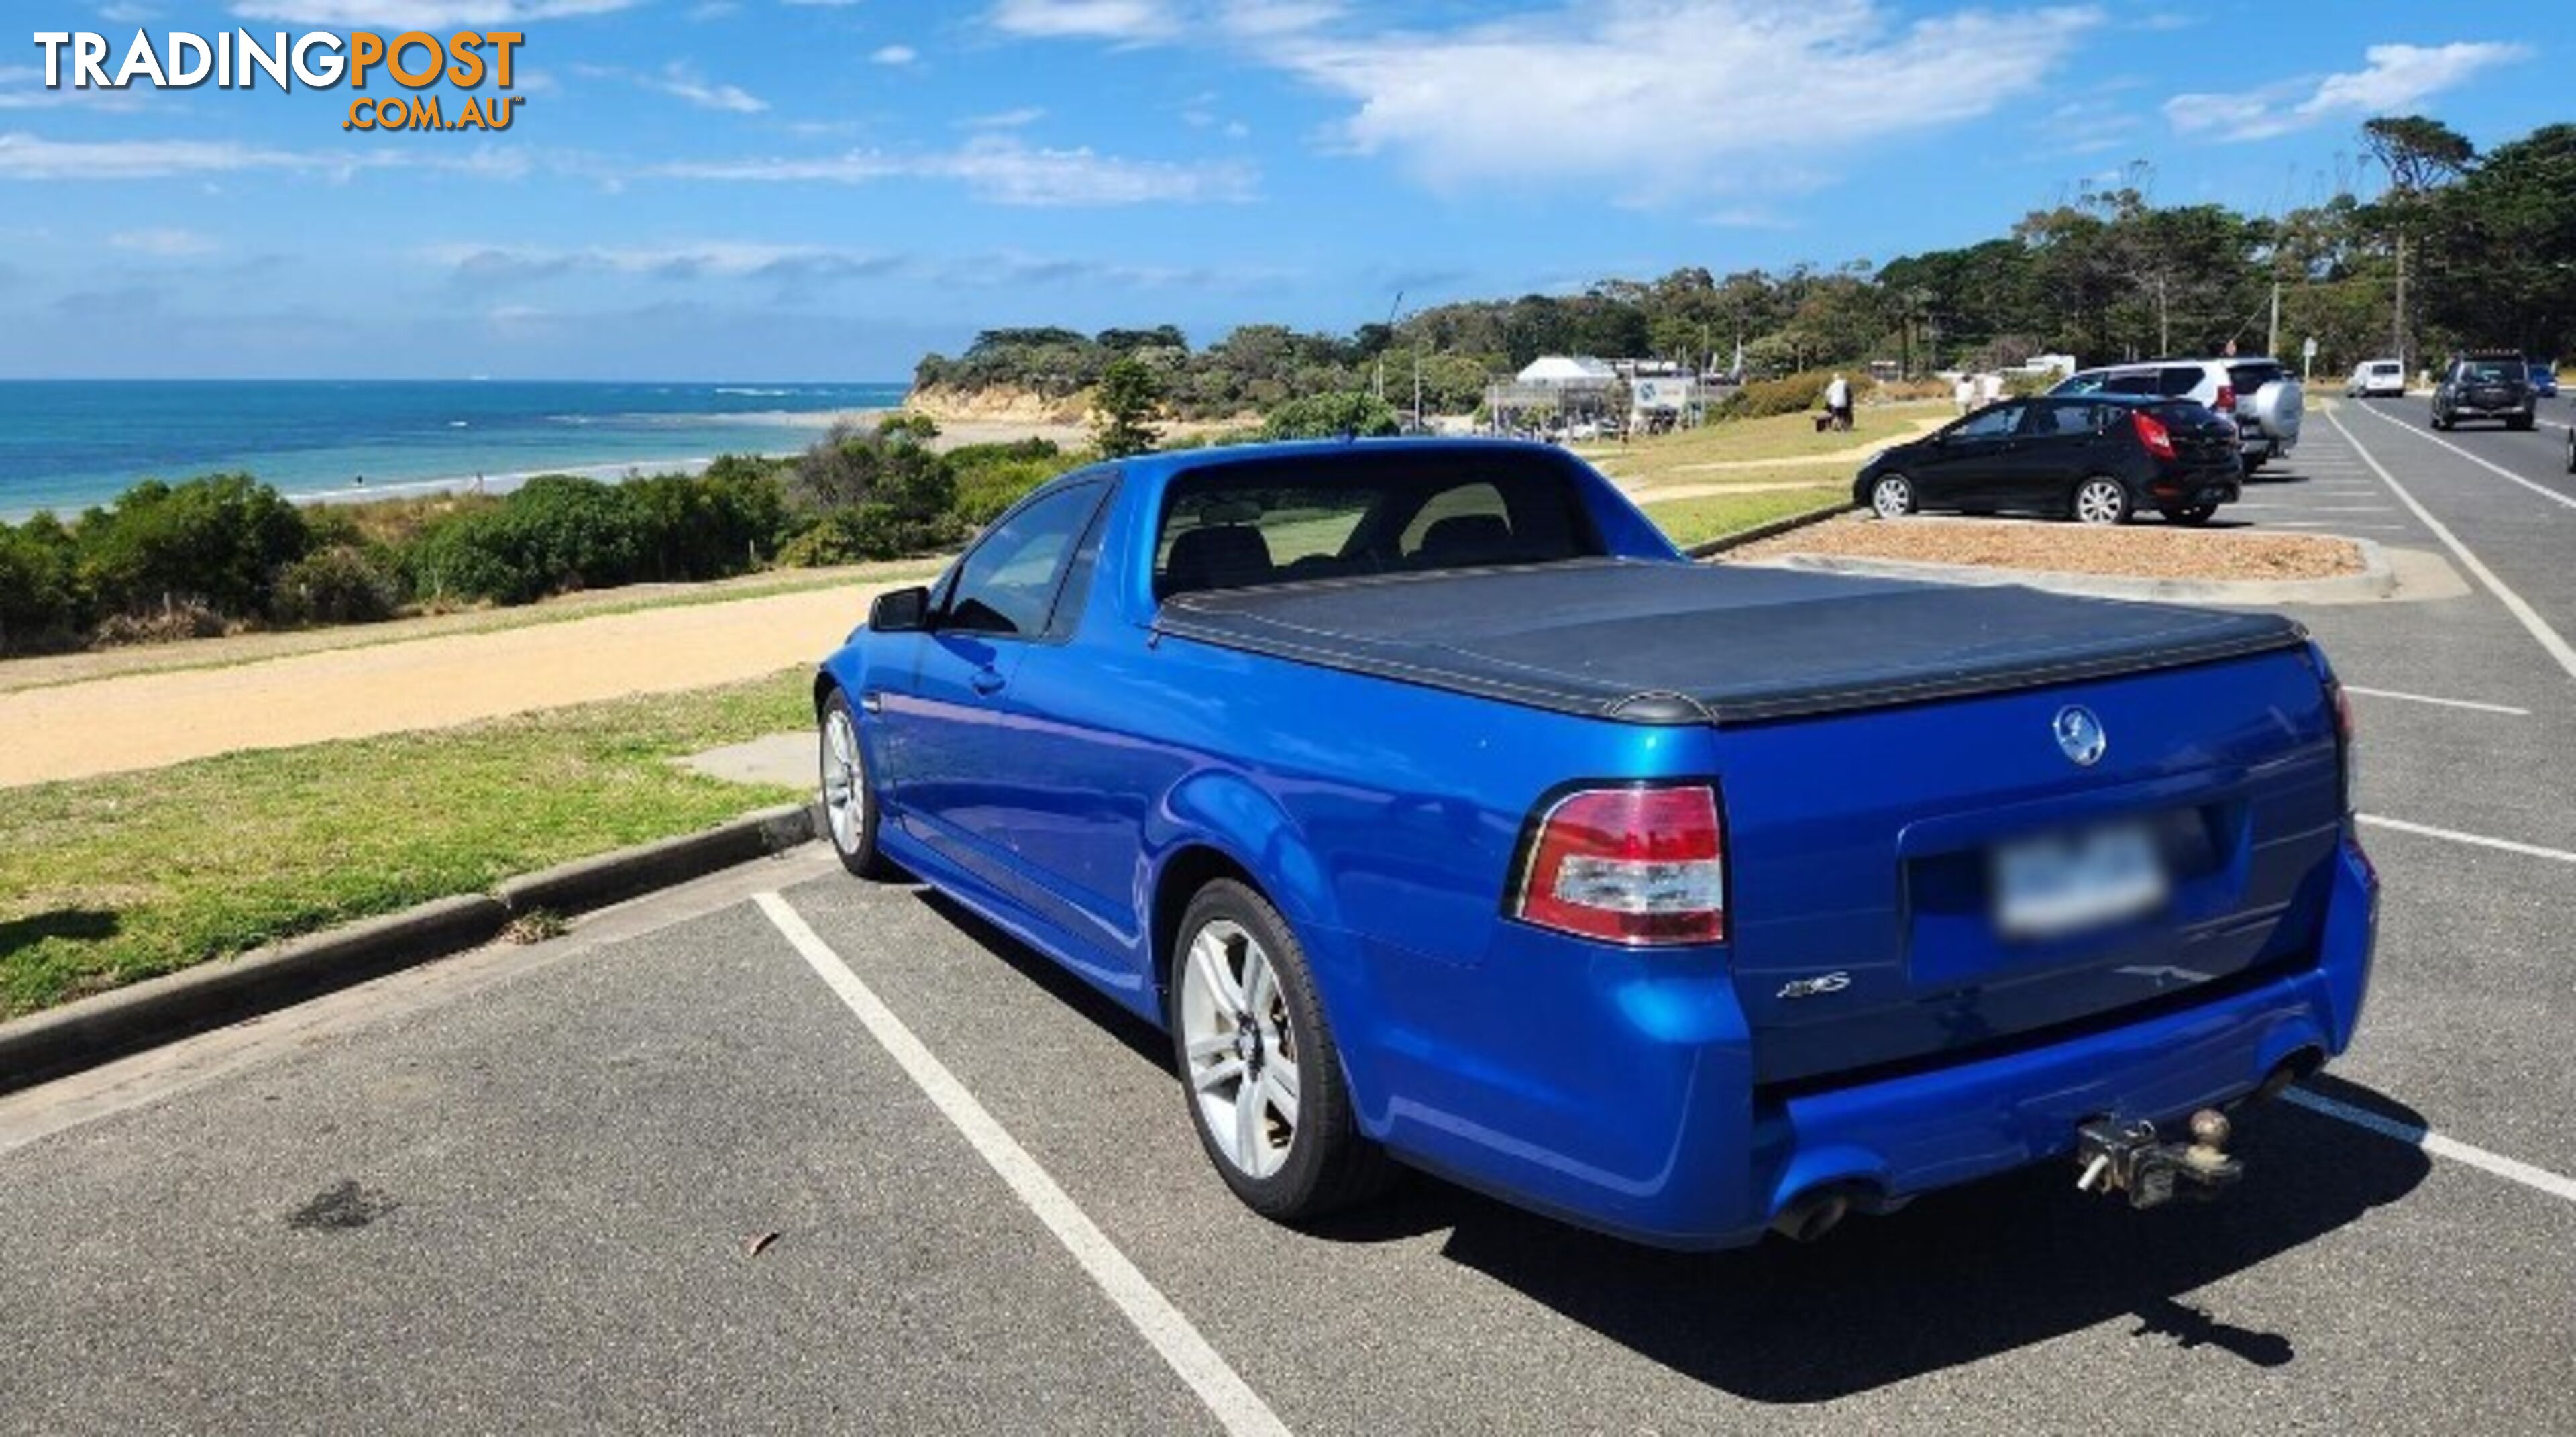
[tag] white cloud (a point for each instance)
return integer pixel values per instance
(710, 259)
(1020, 118)
(895, 55)
(1001, 169)
(683, 81)
(164, 243)
(1128, 20)
(2393, 78)
(1139, 22)
(422, 14)
(1681, 96)
(819, 4)
(33, 157)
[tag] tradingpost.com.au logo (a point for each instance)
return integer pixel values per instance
(413, 62)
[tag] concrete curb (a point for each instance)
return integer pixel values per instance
(2377, 580)
(92, 1031)
(1768, 529)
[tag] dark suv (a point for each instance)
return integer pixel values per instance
(2485, 386)
(2097, 460)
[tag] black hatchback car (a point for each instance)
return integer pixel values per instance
(2098, 459)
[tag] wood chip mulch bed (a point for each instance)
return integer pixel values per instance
(2145, 550)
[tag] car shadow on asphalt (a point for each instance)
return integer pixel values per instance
(1957, 1276)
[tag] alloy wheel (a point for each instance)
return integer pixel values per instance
(1241, 1048)
(2100, 502)
(845, 781)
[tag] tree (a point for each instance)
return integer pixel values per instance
(2420, 155)
(1124, 408)
(1331, 416)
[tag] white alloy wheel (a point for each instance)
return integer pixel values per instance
(1241, 1048)
(1892, 497)
(2101, 501)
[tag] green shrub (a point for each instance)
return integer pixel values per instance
(888, 465)
(42, 605)
(864, 532)
(993, 477)
(709, 527)
(555, 534)
(1329, 416)
(218, 540)
(341, 584)
(1789, 394)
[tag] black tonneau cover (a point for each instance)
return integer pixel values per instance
(1660, 643)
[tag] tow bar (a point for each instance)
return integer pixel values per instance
(2123, 1156)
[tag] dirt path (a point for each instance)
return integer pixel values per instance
(148, 720)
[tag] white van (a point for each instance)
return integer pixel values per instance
(2376, 379)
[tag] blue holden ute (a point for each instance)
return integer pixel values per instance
(1447, 817)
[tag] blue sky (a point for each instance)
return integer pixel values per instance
(822, 189)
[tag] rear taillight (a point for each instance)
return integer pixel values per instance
(2347, 764)
(2153, 434)
(2226, 400)
(1643, 865)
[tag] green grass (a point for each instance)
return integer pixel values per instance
(1696, 521)
(1789, 440)
(104, 881)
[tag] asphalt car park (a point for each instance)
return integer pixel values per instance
(782, 1151)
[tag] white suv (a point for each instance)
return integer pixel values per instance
(2262, 396)
(2376, 379)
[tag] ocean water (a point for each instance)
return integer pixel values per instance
(67, 444)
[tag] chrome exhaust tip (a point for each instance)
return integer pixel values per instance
(1812, 1215)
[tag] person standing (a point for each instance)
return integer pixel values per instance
(1990, 388)
(1838, 398)
(1964, 393)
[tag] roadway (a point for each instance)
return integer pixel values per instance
(782, 1151)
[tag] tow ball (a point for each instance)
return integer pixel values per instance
(2118, 1155)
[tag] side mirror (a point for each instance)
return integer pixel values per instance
(904, 611)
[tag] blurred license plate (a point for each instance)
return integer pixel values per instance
(2064, 883)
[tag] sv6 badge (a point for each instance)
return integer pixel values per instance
(1810, 987)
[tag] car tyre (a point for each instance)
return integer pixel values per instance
(1893, 497)
(2522, 425)
(1260, 1076)
(850, 807)
(2101, 500)
(2571, 451)
(2191, 514)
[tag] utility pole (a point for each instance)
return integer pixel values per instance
(2272, 338)
(2397, 325)
(1390, 334)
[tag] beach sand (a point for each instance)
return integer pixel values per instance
(957, 435)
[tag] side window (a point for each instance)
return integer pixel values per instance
(1007, 584)
(2177, 382)
(2142, 385)
(2049, 420)
(1995, 423)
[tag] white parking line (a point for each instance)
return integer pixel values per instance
(2540, 1179)
(2478, 840)
(1236, 1406)
(2524, 613)
(2543, 490)
(2446, 703)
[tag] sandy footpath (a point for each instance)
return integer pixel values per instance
(148, 720)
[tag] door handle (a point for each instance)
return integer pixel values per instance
(871, 702)
(987, 682)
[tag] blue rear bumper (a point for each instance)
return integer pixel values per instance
(1689, 1155)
